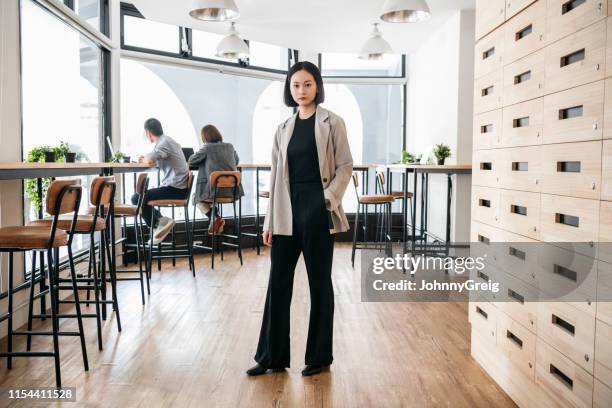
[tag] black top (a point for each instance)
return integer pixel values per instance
(302, 152)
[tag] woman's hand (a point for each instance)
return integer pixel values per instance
(267, 238)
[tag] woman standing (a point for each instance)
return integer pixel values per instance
(311, 169)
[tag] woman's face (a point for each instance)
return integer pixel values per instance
(303, 88)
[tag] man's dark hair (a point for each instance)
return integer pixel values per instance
(314, 71)
(154, 126)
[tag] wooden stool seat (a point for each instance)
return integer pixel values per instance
(31, 237)
(168, 202)
(376, 199)
(84, 223)
(264, 194)
(399, 195)
(221, 200)
(120, 209)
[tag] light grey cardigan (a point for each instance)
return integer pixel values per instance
(335, 165)
(214, 157)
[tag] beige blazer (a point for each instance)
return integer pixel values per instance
(335, 164)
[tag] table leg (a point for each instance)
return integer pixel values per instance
(448, 208)
(414, 209)
(257, 209)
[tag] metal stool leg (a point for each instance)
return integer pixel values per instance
(31, 302)
(356, 226)
(9, 340)
(77, 304)
(189, 241)
(139, 259)
(54, 319)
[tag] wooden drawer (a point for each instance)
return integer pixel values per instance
(602, 395)
(519, 257)
(483, 317)
(577, 59)
(569, 222)
(574, 115)
(517, 344)
(513, 7)
(606, 170)
(485, 204)
(524, 34)
(485, 168)
(569, 330)
(607, 129)
(604, 292)
(488, 129)
(565, 17)
(489, 15)
(521, 168)
(488, 274)
(519, 301)
(603, 352)
(489, 54)
(560, 380)
(572, 169)
(523, 124)
(488, 92)
(519, 212)
(524, 79)
(567, 276)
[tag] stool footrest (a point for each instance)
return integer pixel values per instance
(43, 333)
(64, 316)
(28, 354)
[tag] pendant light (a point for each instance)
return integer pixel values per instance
(405, 11)
(375, 47)
(214, 10)
(232, 46)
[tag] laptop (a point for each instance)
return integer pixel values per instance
(188, 152)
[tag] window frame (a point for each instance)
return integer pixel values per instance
(403, 75)
(186, 33)
(104, 15)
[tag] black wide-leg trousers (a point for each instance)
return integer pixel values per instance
(312, 238)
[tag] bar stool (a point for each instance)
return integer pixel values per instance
(175, 253)
(130, 210)
(376, 200)
(225, 179)
(397, 195)
(101, 196)
(63, 198)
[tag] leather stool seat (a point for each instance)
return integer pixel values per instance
(31, 237)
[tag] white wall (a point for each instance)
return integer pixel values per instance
(440, 99)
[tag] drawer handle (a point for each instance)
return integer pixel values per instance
(520, 166)
(518, 209)
(520, 122)
(515, 339)
(520, 78)
(523, 33)
(483, 239)
(482, 312)
(517, 253)
(568, 167)
(564, 324)
(515, 296)
(573, 58)
(483, 276)
(486, 128)
(484, 203)
(570, 220)
(487, 91)
(566, 273)
(560, 375)
(488, 53)
(571, 5)
(570, 113)
(486, 166)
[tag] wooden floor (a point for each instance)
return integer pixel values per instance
(191, 343)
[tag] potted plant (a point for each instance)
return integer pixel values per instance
(442, 152)
(49, 156)
(64, 150)
(118, 157)
(409, 158)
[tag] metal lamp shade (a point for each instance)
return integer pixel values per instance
(232, 46)
(214, 10)
(375, 47)
(405, 11)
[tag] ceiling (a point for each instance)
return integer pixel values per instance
(310, 25)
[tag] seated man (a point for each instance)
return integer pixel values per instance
(169, 157)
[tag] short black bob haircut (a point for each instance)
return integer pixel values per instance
(154, 126)
(314, 71)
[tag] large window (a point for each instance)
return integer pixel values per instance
(62, 89)
(350, 65)
(94, 12)
(141, 33)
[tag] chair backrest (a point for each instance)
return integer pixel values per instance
(61, 199)
(380, 181)
(190, 180)
(356, 184)
(142, 183)
(102, 190)
(224, 179)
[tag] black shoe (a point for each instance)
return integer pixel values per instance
(313, 369)
(257, 369)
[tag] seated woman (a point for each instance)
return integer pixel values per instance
(214, 155)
